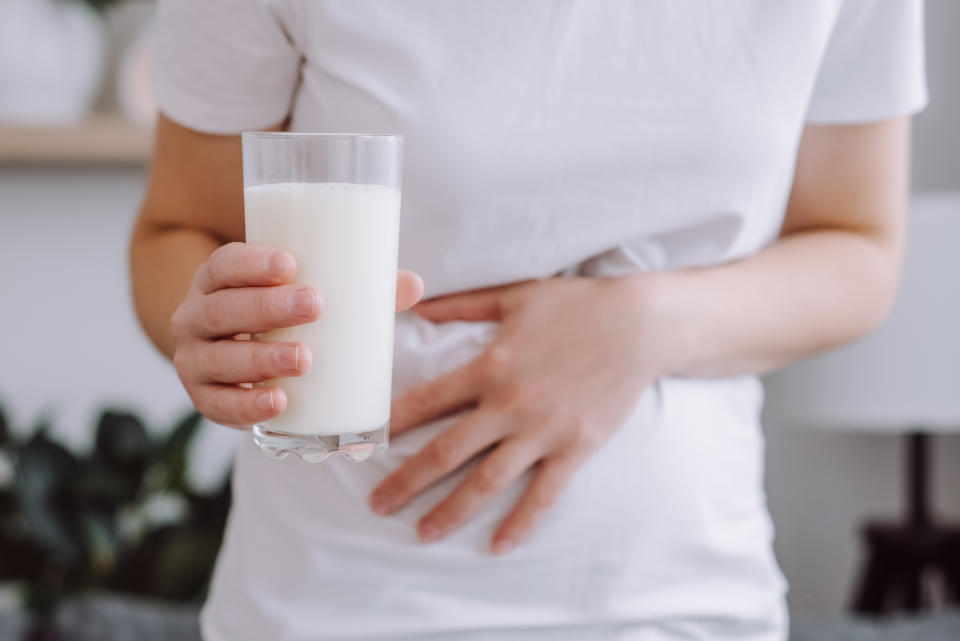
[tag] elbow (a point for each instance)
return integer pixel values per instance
(875, 288)
(878, 309)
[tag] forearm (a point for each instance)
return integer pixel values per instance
(163, 261)
(808, 292)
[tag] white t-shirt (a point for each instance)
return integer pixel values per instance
(542, 137)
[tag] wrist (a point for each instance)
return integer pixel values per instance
(659, 303)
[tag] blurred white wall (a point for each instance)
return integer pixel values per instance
(70, 345)
(936, 157)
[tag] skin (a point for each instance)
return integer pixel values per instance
(830, 278)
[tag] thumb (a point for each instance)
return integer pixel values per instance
(409, 289)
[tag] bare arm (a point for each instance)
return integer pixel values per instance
(831, 277)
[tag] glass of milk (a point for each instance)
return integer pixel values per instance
(333, 201)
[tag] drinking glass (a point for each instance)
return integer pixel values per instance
(333, 201)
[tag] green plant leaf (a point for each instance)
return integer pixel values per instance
(210, 510)
(175, 451)
(182, 432)
(45, 473)
(122, 441)
(102, 488)
(4, 429)
(101, 5)
(104, 544)
(182, 563)
(67, 521)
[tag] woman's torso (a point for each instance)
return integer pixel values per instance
(545, 138)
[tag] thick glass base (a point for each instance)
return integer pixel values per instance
(316, 448)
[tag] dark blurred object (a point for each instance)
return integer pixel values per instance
(121, 518)
(101, 5)
(902, 556)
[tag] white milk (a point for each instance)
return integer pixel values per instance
(344, 237)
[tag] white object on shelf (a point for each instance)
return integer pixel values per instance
(134, 86)
(51, 60)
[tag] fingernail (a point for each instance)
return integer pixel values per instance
(502, 546)
(429, 532)
(302, 302)
(288, 357)
(380, 505)
(266, 402)
(280, 262)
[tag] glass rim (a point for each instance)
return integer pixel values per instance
(318, 135)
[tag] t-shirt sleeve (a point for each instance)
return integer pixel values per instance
(223, 66)
(873, 66)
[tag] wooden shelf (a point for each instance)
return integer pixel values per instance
(103, 139)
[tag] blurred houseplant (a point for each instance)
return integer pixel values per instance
(101, 5)
(121, 518)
